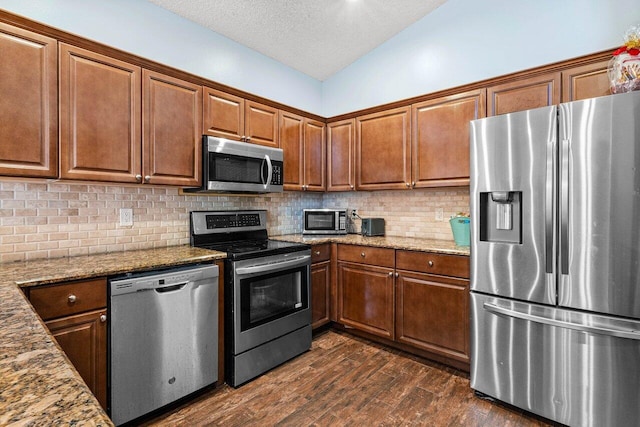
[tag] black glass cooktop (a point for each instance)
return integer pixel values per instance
(253, 249)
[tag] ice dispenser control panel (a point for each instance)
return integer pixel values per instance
(501, 216)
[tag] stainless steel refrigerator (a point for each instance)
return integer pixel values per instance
(555, 260)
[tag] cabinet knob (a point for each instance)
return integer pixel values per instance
(351, 185)
(430, 263)
(408, 185)
(391, 274)
(243, 138)
(362, 254)
(147, 178)
(139, 178)
(413, 183)
(103, 318)
(248, 138)
(72, 298)
(397, 274)
(317, 252)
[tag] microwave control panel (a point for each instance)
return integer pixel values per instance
(276, 177)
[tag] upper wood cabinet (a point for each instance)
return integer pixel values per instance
(120, 123)
(341, 151)
(171, 130)
(383, 150)
(233, 117)
(28, 104)
(440, 139)
(303, 143)
(532, 92)
(100, 117)
(586, 81)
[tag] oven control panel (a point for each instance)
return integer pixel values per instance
(216, 222)
(233, 221)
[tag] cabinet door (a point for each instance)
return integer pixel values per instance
(432, 313)
(533, 92)
(365, 298)
(341, 151)
(586, 81)
(83, 337)
(315, 156)
(291, 142)
(383, 150)
(261, 124)
(28, 104)
(99, 117)
(320, 282)
(223, 115)
(171, 130)
(440, 138)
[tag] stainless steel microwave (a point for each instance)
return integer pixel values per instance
(240, 167)
(324, 221)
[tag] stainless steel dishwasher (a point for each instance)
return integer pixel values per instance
(163, 338)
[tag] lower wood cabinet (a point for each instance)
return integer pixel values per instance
(432, 305)
(83, 337)
(366, 289)
(320, 284)
(419, 300)
(76, 315)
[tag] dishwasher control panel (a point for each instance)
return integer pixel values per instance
(159, 280)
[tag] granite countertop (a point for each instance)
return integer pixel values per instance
(38, 384)
(392, 242)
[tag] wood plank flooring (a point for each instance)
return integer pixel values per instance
(348, 381)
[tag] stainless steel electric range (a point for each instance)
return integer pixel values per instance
(267, 291)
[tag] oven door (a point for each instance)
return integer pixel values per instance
(270, 298)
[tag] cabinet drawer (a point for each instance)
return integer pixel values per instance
(69, 298)
(366, 255)
(427, 262)
(320, 252)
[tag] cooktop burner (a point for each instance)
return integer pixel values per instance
(241, 234)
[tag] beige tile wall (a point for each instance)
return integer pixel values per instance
(49, 219)
(409, 213)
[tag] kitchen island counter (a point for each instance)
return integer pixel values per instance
(38, 384)
(391, 242)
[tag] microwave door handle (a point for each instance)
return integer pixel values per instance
(267, 161)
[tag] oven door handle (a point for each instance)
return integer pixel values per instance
(261, 268)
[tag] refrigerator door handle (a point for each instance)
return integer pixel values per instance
(550, 205)
(564, 209)
(594, 329)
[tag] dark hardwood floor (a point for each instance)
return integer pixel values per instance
(348, 381)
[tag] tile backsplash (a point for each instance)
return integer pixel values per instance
(50, 219)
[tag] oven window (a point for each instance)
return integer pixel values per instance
(320, 221)
(269, 297)
(230, 168)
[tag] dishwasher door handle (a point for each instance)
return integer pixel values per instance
(261, 268)
(171, 288)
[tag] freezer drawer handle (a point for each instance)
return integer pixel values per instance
(620, 333)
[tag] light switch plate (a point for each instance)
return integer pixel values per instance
(439, 214)
(126, 217)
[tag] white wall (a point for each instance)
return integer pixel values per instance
(461, 42)
(464, 41)
(144, 29)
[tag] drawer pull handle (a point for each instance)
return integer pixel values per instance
(430, 263)
(103, 318)
(72, 298)
(362, 254)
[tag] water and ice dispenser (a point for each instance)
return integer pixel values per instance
(501, 216)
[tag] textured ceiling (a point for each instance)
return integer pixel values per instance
(316, 37)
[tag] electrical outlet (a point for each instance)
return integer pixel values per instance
(354, 213)
(439, 214)
(126, 217)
